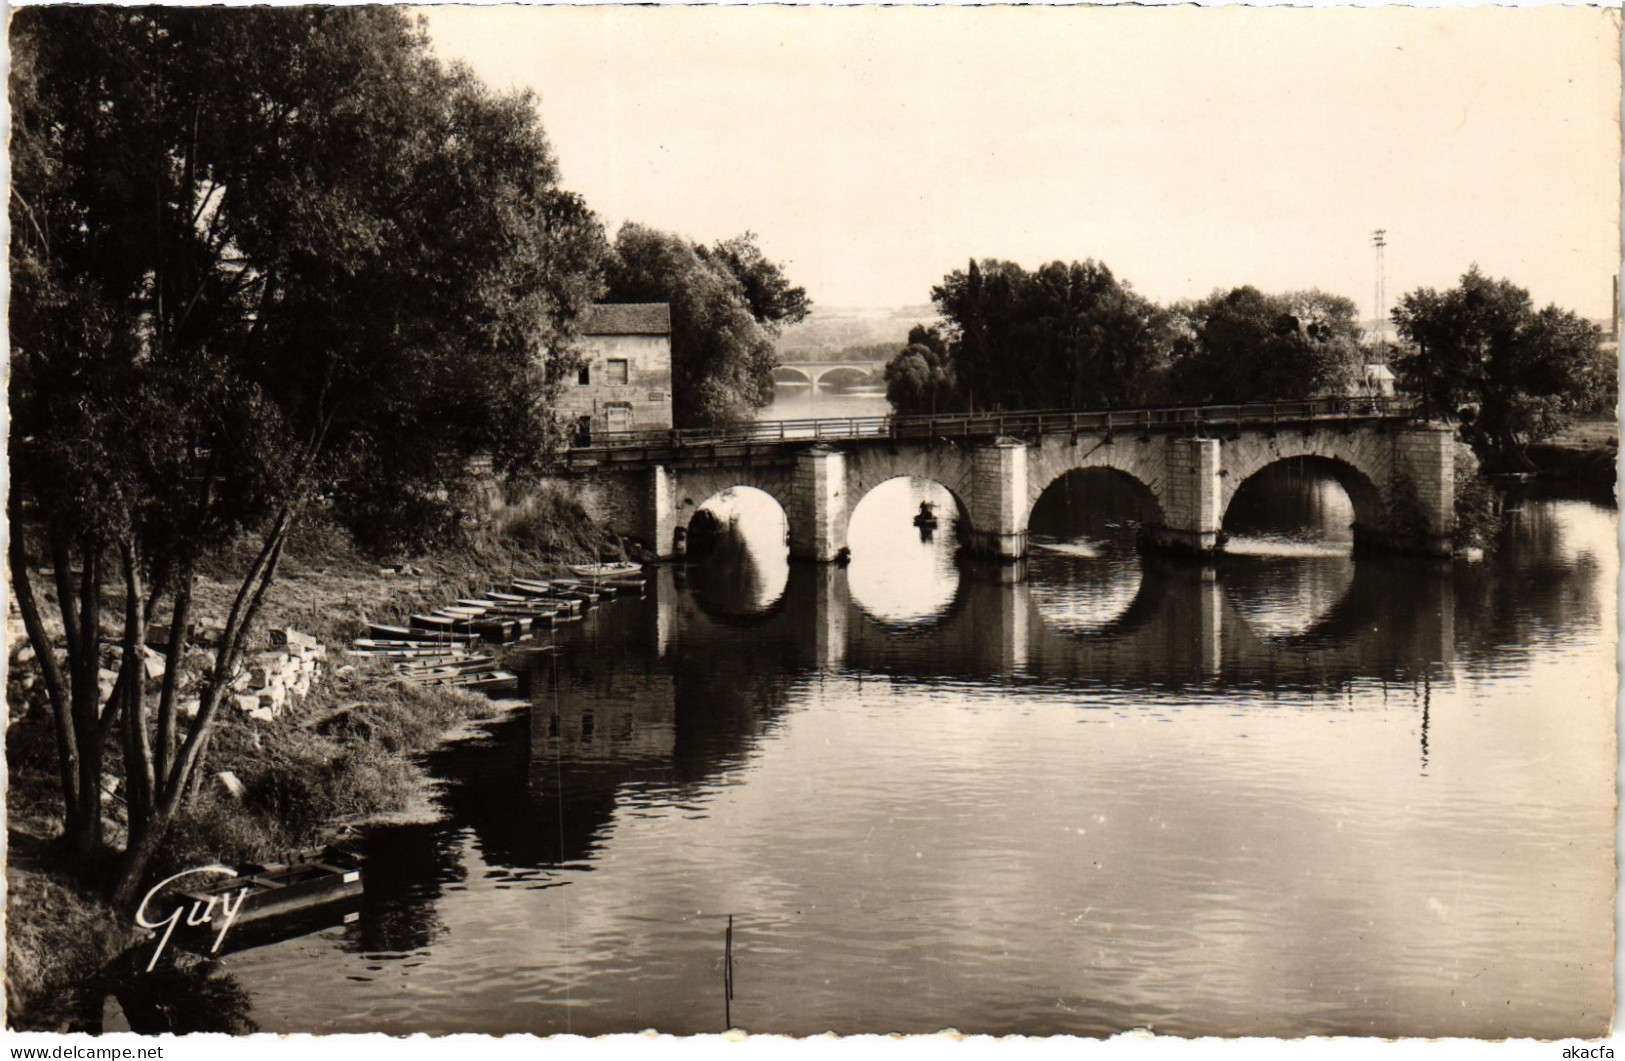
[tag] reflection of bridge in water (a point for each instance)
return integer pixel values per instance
(1183, 627)
(657, 701)
(647, 705)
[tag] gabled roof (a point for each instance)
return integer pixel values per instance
(628, 318)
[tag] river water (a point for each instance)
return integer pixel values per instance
(1292, 793)
(799, 401)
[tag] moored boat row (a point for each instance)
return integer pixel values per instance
(438, 646)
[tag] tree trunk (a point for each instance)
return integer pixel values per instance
(177, 786)
(84, 663)
(180, 616)
(138, 767)
(56, 684)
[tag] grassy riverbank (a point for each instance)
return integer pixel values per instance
(1586, 454)
(348, 752)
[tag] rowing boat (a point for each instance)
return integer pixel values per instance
(484, 681)
(439, 635)
(279, 889)
(390, 644)
(608, 570)
(478, 665)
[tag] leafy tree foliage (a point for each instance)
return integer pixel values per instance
(920, 378)
(772, 300)
(1513, 374)
(260, 256)
(722, 345)
(1069, 335)
(1245, 345)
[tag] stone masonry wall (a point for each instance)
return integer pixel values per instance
(817, 511)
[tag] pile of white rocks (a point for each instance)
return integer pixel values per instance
(265, 684)
(271, 682)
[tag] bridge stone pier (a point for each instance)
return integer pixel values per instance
(1398, 473)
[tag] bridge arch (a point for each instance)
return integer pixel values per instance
(698, 488)
(857, 372)
(792, 373)
(902, 576)
(816, 372)
(1358, 466)
(1146, 503)
(960, 507)
(950, 467)
(731, 578)
(1055, 457)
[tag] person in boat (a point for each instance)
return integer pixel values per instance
(927, 513)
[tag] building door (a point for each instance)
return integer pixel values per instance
(618, 416)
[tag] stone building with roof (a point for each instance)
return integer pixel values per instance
(624, 383)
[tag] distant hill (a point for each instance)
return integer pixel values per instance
(852, 333)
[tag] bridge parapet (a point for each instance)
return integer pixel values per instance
(762, 437)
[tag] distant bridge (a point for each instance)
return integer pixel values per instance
(1187, 464)
(815, 372)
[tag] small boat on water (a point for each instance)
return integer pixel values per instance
(309, 892)
(280, 889)
(573, 589)
(375, 644)
(438, 623)
(438, 635)
(499, 628)
(578, 597)
(464, 623)
(533, 605)
(529, 599)
(617, 569)
(532, 588)
(557, 603)
(603, 587)
(926, 519)
(410, 655)
(450, 669)
(486, 681)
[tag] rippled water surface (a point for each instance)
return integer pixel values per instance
(1296, 792)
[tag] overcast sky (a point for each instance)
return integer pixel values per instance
(874, 150)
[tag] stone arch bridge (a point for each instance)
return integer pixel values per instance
(1188, 463)
(815, 372)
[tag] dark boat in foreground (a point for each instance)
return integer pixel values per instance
(269, 902)
(281, 888)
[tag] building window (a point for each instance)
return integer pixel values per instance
(616, 371)
(584, 377)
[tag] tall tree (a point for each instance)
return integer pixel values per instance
(1513, 374)
(722, 355)
(259, 256)
(1246, 345)
(773, 301)
(1069, 334)
(920, 378)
